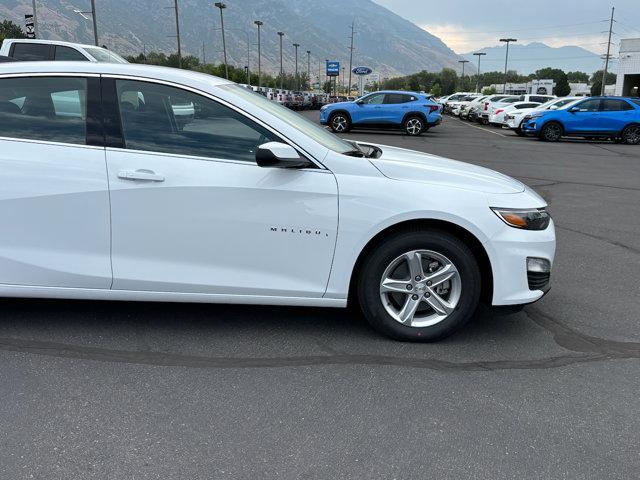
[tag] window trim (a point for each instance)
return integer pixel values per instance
(89, 125)
(49, 54)
(210, 96)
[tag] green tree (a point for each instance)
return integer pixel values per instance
(577, 77)
(436, 90)
(8, 29)
(489, 91)
(448, 80)
(596, 81)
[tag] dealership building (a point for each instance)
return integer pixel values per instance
(628, 81)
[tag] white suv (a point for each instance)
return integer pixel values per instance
(105, 196)
(47, 50)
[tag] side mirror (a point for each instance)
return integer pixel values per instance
(360, 102)
(553, 107)
(574, 109)
(280, 155)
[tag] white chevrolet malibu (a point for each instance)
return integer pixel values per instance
(109, 190)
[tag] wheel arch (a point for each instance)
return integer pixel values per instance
(342, 111)
(415, 114)
(471, 240)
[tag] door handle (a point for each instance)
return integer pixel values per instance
(142, 174)
(377, 107)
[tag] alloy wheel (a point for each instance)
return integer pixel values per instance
(414, 126)
(339, 123)
(420, 288)
(552, 132)
(632, 135)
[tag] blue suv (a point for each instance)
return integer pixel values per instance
(617, 118)
(412, 112)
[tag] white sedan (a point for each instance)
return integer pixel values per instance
(513, 119)
(499, 114)
(246, 202)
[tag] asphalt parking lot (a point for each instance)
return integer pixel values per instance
(162, 391)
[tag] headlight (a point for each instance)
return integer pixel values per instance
(525, 219)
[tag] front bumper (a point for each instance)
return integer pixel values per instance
(531, 126)
(513, 282)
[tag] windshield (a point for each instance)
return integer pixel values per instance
(293, 119)
(102, 55)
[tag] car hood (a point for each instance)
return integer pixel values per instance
(408, 165)
(338, 104)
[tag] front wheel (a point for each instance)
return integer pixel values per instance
(414, 126)
(419, 286)
(551, 132)
(340, 123)
(519, 132)
(631, 135)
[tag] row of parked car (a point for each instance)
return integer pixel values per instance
(298, 100)
(550, 118)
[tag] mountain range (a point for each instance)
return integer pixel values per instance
(384, 41)
(527, 58)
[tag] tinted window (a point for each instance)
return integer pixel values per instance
(589, 105)
(636, 101)
(52, 109)
(31, 51)
(69, 54)
(394, 98)
(610, 105)
(375, 99)
(165, 119)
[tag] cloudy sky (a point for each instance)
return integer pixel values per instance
(466, 25)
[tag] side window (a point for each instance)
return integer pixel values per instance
(375, 99)
(69, 54)
(158, 118)
(394, 98)
(30, 51)
(589, 105)
(42, 108)
(610, 105)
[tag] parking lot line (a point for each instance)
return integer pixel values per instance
(480, 128)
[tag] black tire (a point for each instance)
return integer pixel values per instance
(631, 135)
(519, 132)
(340, 123)
(551, 132)
(441, 242)
(483, 121)
(414, 125)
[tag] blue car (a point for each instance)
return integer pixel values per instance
(596, 117)
(414, 113)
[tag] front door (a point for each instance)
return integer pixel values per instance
(369, 110)
(54, 200)
(192, 212)
(585, 119)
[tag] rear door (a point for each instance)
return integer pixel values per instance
(615, 114)
(54, 200)
(396, 106)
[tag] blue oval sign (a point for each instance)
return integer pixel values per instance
(362, 71)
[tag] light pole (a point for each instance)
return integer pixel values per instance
(309, 67)
(222, 6)
(296, 45)
(84, 15)
(259, 24)
(351, 53)
(281, 34)
(35, 20)
(463, 62)
(606, 61)
(506, 61)
(479, 55)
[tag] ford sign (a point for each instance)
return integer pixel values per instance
(362, 71)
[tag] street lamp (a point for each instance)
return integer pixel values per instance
(222, 6)
(259, 24)
(84, 15)
(506, 60)
(463, 62)
(296, 45)
(281, 34)
(479, 55)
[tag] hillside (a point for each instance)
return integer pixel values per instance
(527, 58)
(386, 42)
